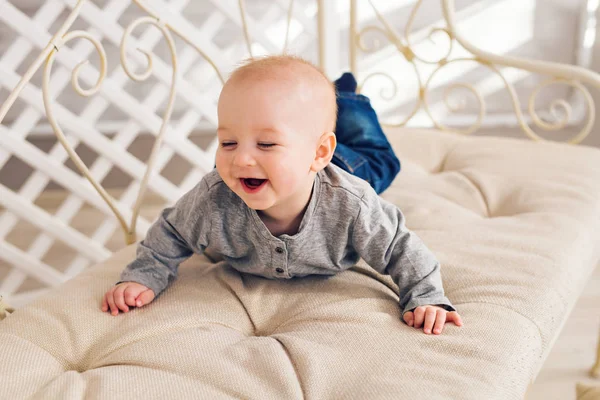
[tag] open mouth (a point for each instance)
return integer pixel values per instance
(252, 185)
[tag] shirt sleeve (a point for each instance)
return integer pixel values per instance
(381, 238)
(178, 232)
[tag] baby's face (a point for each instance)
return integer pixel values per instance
(267, 143)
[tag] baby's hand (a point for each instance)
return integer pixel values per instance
(431, 318)
(125, 295)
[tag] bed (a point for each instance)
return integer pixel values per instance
(513, 222)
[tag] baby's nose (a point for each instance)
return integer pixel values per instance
(244, 159)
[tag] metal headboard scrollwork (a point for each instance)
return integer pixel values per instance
(567, 74)
(574, 76)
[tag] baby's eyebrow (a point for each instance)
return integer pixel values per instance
(270, 131)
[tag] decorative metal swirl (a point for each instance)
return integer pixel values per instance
(130, 236)
(403, 45)
(142, 5)
(394, 94)
(452, 108)
(40, 60)
(394, 39)
(382, 92)
(360, 41)
(408, 29)
(74, 80)
(168, 111)
(566, 107)
(560, 110)
(554, 106)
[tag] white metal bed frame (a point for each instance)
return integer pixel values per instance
(567, 74)
(575, 76)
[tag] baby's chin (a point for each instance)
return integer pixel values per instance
(252, 200)
(261, 206)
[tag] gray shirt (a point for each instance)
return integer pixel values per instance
(344, 221)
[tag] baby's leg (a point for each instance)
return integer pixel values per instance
(362, 149)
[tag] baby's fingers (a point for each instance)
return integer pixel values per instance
(120, 298)
(453, 316)
(409, 318)
(104, 303)
(419, 316)
(144, 298)
(440, 320)
(114, 310)
(130, 294)
(430, 317)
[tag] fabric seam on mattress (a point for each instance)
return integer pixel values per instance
(110, 351)
(479, 192)
(442, 167)
(292, 364)
(178, 374)
(242, 304)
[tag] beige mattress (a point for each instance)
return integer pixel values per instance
(514, 223)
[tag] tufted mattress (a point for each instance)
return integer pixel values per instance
(514, 223)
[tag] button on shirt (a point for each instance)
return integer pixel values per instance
(344, 221)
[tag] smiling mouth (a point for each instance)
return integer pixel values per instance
(252, 185)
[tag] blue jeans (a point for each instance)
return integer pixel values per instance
(362, 148)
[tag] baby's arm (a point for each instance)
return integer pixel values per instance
(179, 231)
(381, 238)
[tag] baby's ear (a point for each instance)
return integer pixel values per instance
(325, 148)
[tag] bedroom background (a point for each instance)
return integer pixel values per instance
(552, 30)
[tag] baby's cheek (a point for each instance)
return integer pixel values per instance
(282, 183)
(278, 169)
(219, 164)
(222, 165)
(286, 171)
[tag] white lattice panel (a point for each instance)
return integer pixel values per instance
(45, 239)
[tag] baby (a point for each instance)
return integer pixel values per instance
(283, 202)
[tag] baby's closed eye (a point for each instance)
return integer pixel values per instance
(228, 144)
